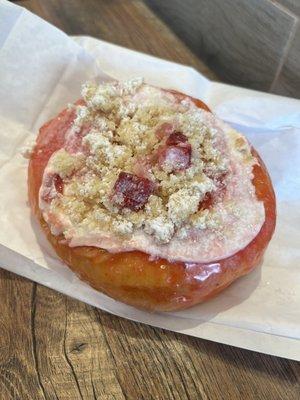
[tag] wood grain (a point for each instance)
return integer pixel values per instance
(55, 348)
(288, 80)
(243, 41)
(127, 23)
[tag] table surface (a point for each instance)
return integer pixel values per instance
(54, 347)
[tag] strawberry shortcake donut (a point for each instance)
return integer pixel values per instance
(150, 198)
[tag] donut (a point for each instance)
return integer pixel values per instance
(148, 197)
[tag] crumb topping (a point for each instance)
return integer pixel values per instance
(147, 163)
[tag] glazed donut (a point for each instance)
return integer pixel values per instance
(169, 265)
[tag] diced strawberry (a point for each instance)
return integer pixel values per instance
(131, 191)
(53, 184)
(176, 139)
(216, 195)
(207, 202)
(175, 155)
(74, 140)
(175, 158)
(164, 130)
(58, 183)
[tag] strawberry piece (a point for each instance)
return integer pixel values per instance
(207, 202)
(175, 158)
(131, 191)
(164, 130)
(176, 153)
(210, 198)
(176, 139)
(53, 184)
(58, 183)
(74, 143)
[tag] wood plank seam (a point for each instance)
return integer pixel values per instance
(68, 359)
(34, 344)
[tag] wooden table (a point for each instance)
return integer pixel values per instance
(54, 347)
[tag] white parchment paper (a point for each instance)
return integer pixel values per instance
(41, 70)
